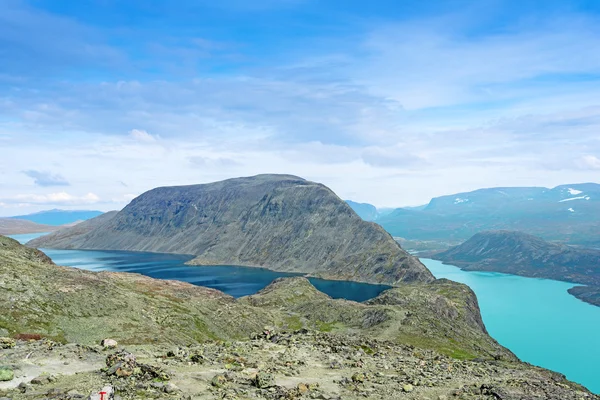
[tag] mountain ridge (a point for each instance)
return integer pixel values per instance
(280, 222)
(566, 213)
(522, 254)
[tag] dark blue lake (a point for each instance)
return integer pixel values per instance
(233, 280)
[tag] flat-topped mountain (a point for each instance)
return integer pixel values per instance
(12, 226)
(526, 255)
(566, 213)
(280, 222)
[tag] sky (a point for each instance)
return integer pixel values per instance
(385, 102)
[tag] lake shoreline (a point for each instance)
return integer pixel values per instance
(536, 319)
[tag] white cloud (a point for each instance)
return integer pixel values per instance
(59, 198)
(142, 136)
(589, 162)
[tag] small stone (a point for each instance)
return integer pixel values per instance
(6, 374)
(40, 380)
(7, 343)
(358, 377)
(302, 388)
(24, 387)
(408, 388)
(109, 343)
(218, 381)
(264, 380)
(74, 394)
(170, 388)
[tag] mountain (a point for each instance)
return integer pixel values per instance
(366, 211)
(71, 304)
(176, 338)
(567, 213)
(59, 217)
(280, 222)
(526, 255)
(12, 226)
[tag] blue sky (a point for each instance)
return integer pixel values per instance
(386, 102)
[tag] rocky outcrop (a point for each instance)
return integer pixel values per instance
(280, 222)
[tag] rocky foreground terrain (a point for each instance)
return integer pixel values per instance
(280, 222)
(271, 365)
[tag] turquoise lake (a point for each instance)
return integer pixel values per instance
(535, 318)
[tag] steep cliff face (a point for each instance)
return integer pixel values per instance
(280, 222)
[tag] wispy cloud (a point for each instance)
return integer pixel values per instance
(42, 178)
(52, 199)
(370, 102)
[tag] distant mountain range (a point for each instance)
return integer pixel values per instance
(518, 253)
(567, 213)
(59, 217)
(280, 222)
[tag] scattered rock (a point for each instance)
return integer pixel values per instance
(264, 380)
(41, 380)
(303, 388)
(408, 388)
(24, 387)
(6, 374)
(358, 377)
(219, 381)
(109, 343)
(170, 388)
(7, 343)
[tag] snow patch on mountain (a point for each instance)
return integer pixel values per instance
(575, 198)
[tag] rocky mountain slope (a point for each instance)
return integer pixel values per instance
(280, 222)
(12, 226)
(567, 213)
(180, 341)
(526, 255)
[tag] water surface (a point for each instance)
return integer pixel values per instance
(537, 320)
(233, 280)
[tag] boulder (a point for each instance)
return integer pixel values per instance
(109, 343)
(264, 380)
(7, 343)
